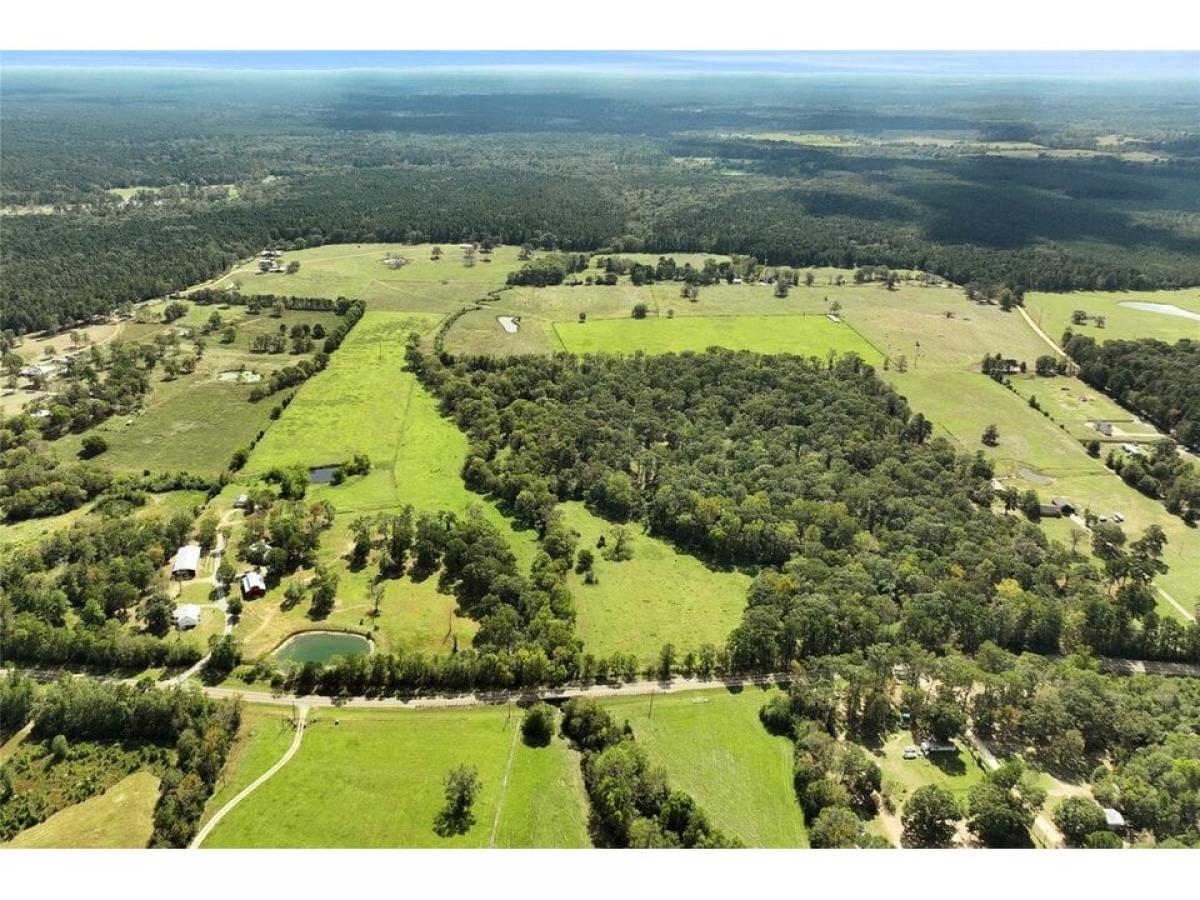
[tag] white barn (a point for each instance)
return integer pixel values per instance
(187, 562)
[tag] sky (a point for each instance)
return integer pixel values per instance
(1046, 64)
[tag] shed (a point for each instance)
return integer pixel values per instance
(187, 616)
(997, 485)
(1105, 428)
(1113, 819)
(1049, 511)
(1132, 449)
(253, 585)
(242, 501)
(931, 747)
(187, 561)
(1064, 506)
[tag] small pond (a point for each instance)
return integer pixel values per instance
(322, 646)
(1166, 309)
(321, 474)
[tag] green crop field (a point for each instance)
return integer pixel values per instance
(1121, 321)
(374, 779)
(801, 335)
(121, 817)
(656, 597)
(713, 746)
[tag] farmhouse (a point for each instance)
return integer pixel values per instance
(43, 370)
(187, 616)
(187, 561)
(1012, 366)
(253, 585)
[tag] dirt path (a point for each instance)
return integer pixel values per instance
(1038, 331)
(1042, 825)
(1175, 603)
(512, 751)
(203, 833)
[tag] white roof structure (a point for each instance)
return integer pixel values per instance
(187, 616)
(253, 582)
(187, 559)
(1113, 818)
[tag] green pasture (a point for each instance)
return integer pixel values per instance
(360, 271)
(1121, 321)
(374, 779)
(1035, 451)
(713, 746)
(658, 596)
(801, 335)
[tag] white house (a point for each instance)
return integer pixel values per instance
(187, 616)
(187, 562)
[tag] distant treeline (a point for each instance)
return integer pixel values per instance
(66, 267)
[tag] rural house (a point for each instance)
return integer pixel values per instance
(253, 585)
(1064, 506)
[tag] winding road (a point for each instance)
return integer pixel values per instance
(203, 833)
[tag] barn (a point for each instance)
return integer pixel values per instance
(187, 562)
(187, 616)
(253, 585)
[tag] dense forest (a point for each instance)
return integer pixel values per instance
(863, 529)
(578, 167)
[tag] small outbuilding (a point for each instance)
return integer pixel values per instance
(1104, 428)
(930, 748)
(997, 485)
(253, 585)
(1132, 449)
(1065, 507)
(242, 501)
(187, 562)
(187, 616)
(1113, 819)
(1049, 511)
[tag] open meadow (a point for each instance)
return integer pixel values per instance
(714, 747)
(800, 335)
(120, 818)
(360, 271)
(658, 596)
(1165, 315)
(374, 779)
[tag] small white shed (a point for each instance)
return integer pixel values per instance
(187, 616)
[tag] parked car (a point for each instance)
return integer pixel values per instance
(1117, 517)
(911, 752)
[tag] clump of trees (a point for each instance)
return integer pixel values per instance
(632, 803)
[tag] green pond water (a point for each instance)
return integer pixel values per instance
(321, 647)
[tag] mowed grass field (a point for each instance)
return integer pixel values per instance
(121, 817)
(375, 779)
(1121, 321)
(713, 746)
(359, 271)
(800, 335)
(1035, 451)
(657, 597)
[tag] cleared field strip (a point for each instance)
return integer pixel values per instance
(804, 335)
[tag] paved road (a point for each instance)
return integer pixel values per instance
(212, 823)
(483, 698)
